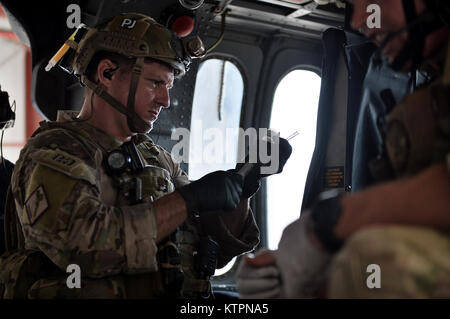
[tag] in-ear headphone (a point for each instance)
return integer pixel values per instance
(107, 74)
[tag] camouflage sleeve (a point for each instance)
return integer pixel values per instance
(62, 215)
(179, 177)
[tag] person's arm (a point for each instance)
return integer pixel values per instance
(420, 200)
(171, 212)
(65, 219)
(63, 212)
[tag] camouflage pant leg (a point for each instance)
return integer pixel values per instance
(136, 286)
(413, 263)
(105, 288)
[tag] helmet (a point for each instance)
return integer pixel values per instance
(132, 35)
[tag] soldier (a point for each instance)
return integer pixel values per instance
(92, 189)
(7, 117)
(390, 240)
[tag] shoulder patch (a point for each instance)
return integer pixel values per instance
(65, 163)
(36, 204)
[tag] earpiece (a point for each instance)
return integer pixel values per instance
(108, 74)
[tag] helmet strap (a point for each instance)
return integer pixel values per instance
(98, 90)
(134, 121)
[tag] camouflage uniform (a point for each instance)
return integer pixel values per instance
(72, 212)
(414, 261)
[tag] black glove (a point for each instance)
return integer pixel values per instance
(216, 190)
(252, 180)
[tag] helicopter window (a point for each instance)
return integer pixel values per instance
(294, 109)
(216, 114)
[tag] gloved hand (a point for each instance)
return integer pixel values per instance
(214, 191)
(252, 180)
(258, 277)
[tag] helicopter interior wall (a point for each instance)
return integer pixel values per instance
(335, 158)
(281, 59)
(344, 66)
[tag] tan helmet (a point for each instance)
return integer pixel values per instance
(132, 35)
(135, 36)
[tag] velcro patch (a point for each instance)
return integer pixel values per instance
(64, 163)
(36, 204)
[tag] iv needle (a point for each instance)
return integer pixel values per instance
(290, 137)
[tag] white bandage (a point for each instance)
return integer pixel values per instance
(303, 267)
(258, 283)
